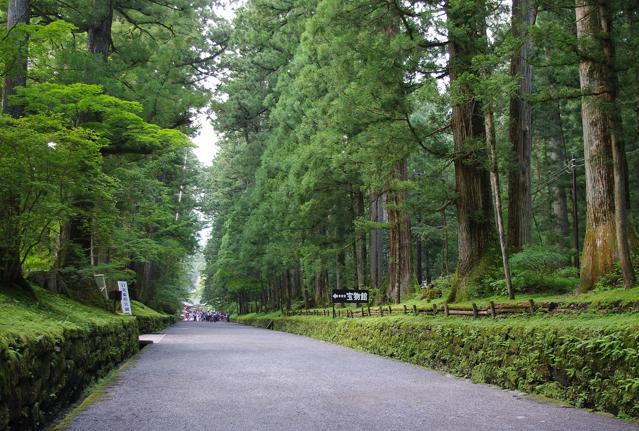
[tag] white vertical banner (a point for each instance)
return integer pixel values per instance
(125, 302)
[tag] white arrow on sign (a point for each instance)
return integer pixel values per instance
(335, 296)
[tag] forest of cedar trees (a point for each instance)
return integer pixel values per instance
(459, 148)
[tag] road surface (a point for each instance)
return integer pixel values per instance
(221, 376)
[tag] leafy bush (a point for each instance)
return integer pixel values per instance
(568, 272)
(539, 259)
(439, 286)
(431, 293)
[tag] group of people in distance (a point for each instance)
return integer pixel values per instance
(207, 316)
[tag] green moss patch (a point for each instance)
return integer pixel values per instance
(588, 360)
(149, 320)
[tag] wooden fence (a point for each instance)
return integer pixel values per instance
(491, 310)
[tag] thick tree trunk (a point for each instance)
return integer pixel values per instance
(376, 214)
(606, 209)
(99, 31)
(319, 288)
(16, 76)
(399, 255)
(519, 178)
(474, 209)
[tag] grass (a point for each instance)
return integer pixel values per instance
(139, 309)
(49, 314)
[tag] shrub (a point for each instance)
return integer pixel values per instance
(539, 259)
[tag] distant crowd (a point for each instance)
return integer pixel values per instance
(207, 316)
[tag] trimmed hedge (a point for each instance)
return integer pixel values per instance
(149, 320)
(52, 349)
(589, 361)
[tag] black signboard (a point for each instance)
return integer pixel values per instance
(349, 296)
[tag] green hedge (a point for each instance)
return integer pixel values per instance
(149, 320)
(590, 361)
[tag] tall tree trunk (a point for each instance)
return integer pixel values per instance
(99, 31)
(376, 215)
(399, 255)
(606, 209)
(519, 176)
(287, 288)
(319, 288)
(360, 240)
(474, 208)
(557, 154)
(489, 124)
(16, 76)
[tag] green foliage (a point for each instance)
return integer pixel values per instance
(539, 259)
(589, 361)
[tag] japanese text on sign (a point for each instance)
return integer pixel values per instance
(349, 296)
(125, 302)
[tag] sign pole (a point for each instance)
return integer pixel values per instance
(333, 311)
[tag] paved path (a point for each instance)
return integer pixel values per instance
(220, 376)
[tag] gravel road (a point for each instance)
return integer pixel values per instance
(224, 376)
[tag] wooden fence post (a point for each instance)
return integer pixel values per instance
(381, 311)
(405, 309)
(415, 309)
(446, 309)
(475, 311)
(531, 306)
(493, 312)
(434, 309)
(369, 310)
(390, 310)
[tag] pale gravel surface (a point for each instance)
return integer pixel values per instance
(221, 376)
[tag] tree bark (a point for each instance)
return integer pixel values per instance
(606, 210)
(474, 207)
(557, 154)
(520, 131)
(399, 255)
(99, 31)
(16, 76)
(489, 124)
(376, 215)
(18, 12)
(360, 240)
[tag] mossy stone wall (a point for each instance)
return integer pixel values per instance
(40, 375)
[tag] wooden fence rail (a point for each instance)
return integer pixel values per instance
(491, 310)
